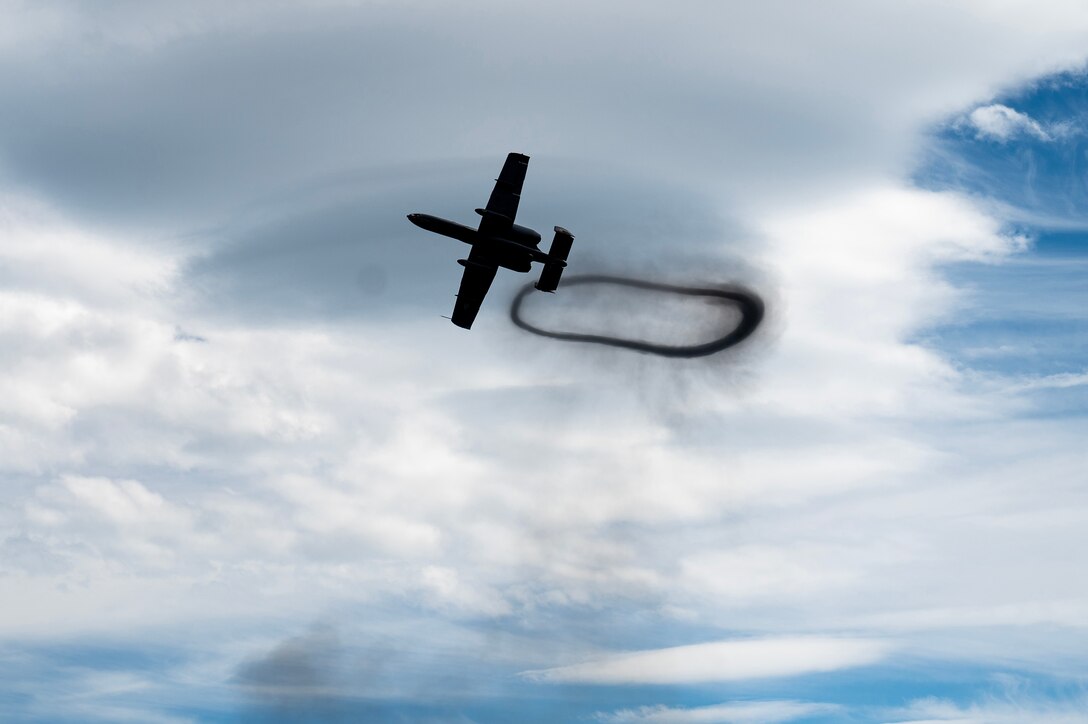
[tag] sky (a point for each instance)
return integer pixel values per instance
(251, 474)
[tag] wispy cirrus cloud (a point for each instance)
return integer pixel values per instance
(722, 661)
(1005, 710)
(746, 712)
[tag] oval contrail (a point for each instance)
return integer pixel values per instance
(746, 301)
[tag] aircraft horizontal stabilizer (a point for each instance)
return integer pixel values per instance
(561, 244)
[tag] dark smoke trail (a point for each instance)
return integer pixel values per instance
(747, 302)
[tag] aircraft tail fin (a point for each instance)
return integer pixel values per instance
(561, 244)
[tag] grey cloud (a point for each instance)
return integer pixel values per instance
(344, 250)
(189, 130)
(298, 680)
(184, 129)
(420, 669)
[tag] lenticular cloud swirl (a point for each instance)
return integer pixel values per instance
(745, 301)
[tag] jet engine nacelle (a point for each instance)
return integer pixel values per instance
(561, 244)
(524, 235)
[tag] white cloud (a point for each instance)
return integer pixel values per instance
(121, 521)
(41, 253)
(1012, 710)
(125, 502)
(1061, 380)
(1001, 123)
(753, 572)
(857, 280)
(451, 592)
(722, 661)
(748, 712)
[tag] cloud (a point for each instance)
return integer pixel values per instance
(748, 712)
(304, 668)
(337, 254)
(1013, 710)
(47, 255)
(998, 122)
(721, 661)
(241, 175)
(1061, 380)
(174, 106)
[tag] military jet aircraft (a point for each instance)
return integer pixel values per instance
(499, 242)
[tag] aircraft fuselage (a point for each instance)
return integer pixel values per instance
(516, 249)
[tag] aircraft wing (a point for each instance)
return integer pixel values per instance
(475, 282)
(502, 207)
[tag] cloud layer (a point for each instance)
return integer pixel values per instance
(721, 661)
(231, 409)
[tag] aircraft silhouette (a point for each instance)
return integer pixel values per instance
(499, 242)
